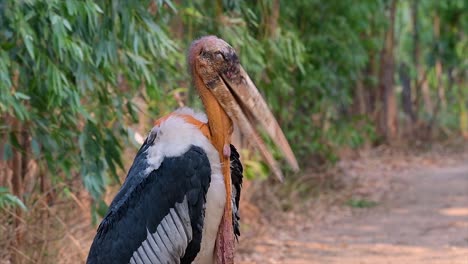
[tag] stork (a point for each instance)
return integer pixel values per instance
(180, 200)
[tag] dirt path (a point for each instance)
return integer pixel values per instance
(426, 221)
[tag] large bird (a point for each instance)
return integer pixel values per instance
(180, 200)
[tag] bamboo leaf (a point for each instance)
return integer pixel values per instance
(36, 149)
(28, 42)
(7, 151)
(19, 95)
(7, 199)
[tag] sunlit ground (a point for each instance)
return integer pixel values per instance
(423, 219)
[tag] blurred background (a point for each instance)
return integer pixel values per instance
(81, 83)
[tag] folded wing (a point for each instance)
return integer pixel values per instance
(157, 216)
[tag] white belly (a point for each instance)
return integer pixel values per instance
(215, 202)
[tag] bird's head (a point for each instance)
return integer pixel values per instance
(218, 75)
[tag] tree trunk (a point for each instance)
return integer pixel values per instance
(17, 167)
(272, 25)
(387, 123)
(370, 73)
(17, 186)
(359, 100)
(438, 65)
(421, 86)
(416, 56)
(372, 87)
(463, 109)
(5, 162)
(463, 117)
(406, 95)
(426, 93)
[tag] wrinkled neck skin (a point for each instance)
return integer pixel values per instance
(221, 129)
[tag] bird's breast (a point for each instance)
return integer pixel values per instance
(173, 136)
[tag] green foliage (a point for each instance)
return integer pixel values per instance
(9, 200)
(449, 48)
(253, 167)
(70, 70)
(361, 203)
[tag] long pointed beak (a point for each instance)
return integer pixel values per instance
(242, 101)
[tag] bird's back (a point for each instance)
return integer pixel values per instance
(158, 215)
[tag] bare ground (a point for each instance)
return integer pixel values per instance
(421, 217)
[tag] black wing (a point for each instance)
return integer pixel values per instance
(236, 178)
(157, 216)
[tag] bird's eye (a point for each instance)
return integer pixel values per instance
(203, 53)
(219, 55)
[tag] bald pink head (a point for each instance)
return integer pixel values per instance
(206, 44)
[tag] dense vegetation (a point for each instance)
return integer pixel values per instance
(336, 73)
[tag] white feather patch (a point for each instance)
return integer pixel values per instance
(168, 243)
(200, 116)
(174, 137)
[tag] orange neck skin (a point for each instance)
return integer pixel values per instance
(221, 128)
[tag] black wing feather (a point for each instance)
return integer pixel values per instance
(236, 178)
(145, 199)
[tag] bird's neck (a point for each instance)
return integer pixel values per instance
(218, 121)
(221, 129)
